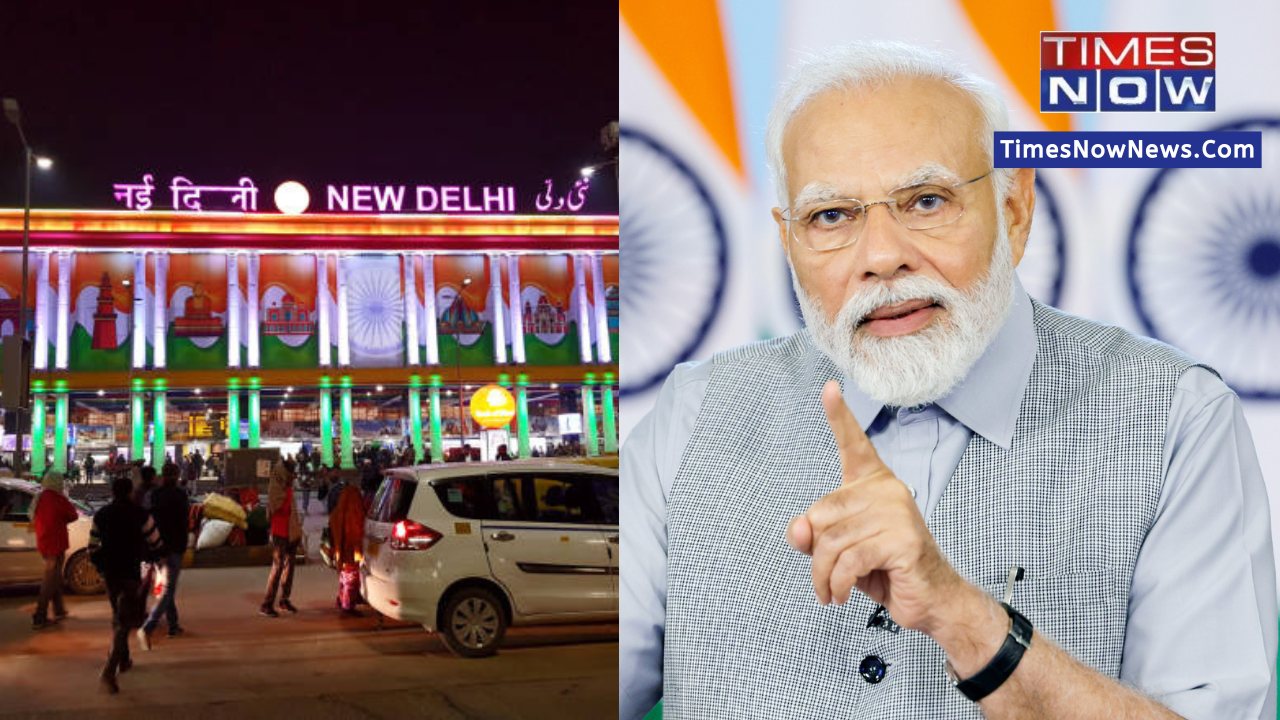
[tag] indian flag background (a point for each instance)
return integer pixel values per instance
(11, 288)
(288, 283)
(87, 274)
(1191, 257)
(451, 273)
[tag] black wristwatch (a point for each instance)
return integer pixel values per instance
(991, 677)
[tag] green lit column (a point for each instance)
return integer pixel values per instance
(589, 415)
(415, 417)
(37, 433)
(60, 427)
(437, 436)
(522, 415)
(255, 412)
(326, 423)
(348, 454)
(233, 414)
(137, 414)
(158, 426)
(610, 423)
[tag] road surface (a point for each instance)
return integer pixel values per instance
(234, 663)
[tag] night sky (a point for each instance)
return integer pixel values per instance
(357, 92)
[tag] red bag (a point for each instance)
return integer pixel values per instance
(236, 538)
(348, 587)
(193, 517)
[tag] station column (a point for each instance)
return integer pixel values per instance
(60, 426)
(255, 412)
(437, 436)
(37, 429)
(137, 413)
(589, 415)
(610, 422)
(326, 423)
(522, 415)
(233, 414)
(158, 429)
(415, 417)
(348, 454)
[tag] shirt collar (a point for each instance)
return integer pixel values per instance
(988, 399)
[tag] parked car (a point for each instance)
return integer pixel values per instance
(470, 550)
(20, 562)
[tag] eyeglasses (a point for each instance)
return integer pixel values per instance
(832, 224)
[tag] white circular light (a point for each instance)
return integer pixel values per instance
(379, 388)
(101, 393)
(44, 163)
(292, 198)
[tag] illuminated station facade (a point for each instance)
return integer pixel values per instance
(386, 318)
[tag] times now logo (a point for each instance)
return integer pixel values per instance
(1127, 72)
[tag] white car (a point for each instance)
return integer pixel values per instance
(470, 549)
(20, 561)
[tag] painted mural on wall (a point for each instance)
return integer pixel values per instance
(548, 310)
(10, 289)
(101, 311)
(196, 312)
(375, 310)
(463, 317)
(288, 322)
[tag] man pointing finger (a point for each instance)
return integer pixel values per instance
(933, 443)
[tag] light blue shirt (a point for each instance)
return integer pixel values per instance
(1202, 628)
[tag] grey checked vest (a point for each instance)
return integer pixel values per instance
(1071, 502)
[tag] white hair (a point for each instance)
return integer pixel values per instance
(867, 66)
(924, 366)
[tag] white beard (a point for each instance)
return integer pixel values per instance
(924, 366)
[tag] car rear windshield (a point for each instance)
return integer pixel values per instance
(393, 500)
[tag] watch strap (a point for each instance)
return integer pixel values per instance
(990, 678)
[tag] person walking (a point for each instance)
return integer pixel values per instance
(169, 509)
(286, 532)
(88, 468)
(346, 529)
(51, 512)
(143, 478)
(198, 460)
(189, 474)
(303, 480)
(122, 538)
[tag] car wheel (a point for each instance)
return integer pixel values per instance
(473, 623)
(82, 577)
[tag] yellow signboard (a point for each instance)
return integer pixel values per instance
(492, 406)
(199, 427)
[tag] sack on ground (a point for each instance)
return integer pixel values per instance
(213, 533)
(220, 507)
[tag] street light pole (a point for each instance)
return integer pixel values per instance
(14, 114)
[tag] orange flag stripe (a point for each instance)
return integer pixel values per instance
(684, 39)
(1011, 29)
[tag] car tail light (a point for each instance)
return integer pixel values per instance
(409, 535)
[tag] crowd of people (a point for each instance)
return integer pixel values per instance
(139, 540)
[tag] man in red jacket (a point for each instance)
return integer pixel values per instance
(286, 532)
(52, 512)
